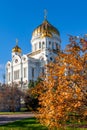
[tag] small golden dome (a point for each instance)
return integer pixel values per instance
(45, 29)
(17, 49)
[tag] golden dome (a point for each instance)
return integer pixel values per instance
(45, 29)
(16, 49)
(46, 34)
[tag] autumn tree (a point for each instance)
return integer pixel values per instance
(64, 90)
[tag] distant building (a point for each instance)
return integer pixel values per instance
(45, 43)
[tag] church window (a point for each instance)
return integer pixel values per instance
(49, 42)
(16, 74)
(43, 44)
(24, 59)
(9, 78)
(39, 45)
(9, 65)
(25, 72)
(16, 60)
(52, 45)
(32, 72)
(13, 56)
(55, 45)
(51, 58)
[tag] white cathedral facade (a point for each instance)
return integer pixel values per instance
(45, 44)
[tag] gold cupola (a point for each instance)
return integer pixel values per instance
(45, 30)
(17, 48)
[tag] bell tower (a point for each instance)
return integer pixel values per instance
(16, 50)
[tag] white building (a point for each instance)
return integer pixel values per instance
(45, 43)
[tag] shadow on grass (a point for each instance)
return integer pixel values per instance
(33, 124)
(24, 124)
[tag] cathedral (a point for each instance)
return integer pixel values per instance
(22, 69)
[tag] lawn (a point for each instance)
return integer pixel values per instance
(31, 124)
(10, 113)
(24, 124)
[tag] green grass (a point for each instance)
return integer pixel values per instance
(24, 124)
(11, 113)
(33, 124)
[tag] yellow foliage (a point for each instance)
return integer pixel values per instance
(62, 92)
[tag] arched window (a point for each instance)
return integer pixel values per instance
(16, 74)
(39, 45)
(43, 45)
(51, 58)
(32, 72)
(49, 42)
(50, 45)
(55, 45)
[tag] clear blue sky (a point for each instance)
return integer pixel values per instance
(18, 19)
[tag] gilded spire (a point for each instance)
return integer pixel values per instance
(45, 14)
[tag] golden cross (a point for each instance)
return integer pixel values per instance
(45, 14)
(16, 41)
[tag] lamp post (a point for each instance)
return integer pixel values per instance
(21, 82)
